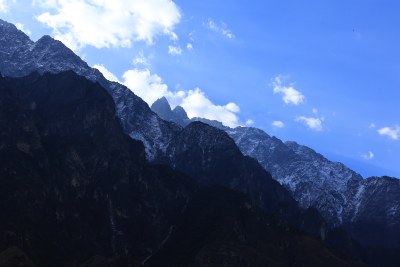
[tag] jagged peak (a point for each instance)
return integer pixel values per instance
(10, 33)
(45, 38)
(5, 24)
(162, 100)
(161, 104)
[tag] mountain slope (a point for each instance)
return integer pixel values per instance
(72, 184)
(222, 228)
(210, 156)
(341, 195)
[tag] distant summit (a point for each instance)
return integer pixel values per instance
(177, 115)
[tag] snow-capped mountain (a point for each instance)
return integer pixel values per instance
(19, 56)
(313, 180)
(340, 194)
(374, 212)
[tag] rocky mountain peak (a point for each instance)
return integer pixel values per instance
(163, 109)
(9, 31)
(180, 112)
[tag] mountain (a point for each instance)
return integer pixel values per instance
(178, 115)
(341, 195)
(76, 191)
(19, 56)
(72, 184)
(71, 174)
(374, 213)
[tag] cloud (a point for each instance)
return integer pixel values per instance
(196, 104)
(106, 73)
(21, 27)
(232, 107)
(102, 23)
(249, 122)
(289, 94)
(368, 156)
(174, 50)
(393, 133)
(278, 124)
(5, 5)
(221, 28)
(313, 123)
(189, 46)
(372, 125)
(151, 87)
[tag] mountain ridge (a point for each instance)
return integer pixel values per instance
(341, 195)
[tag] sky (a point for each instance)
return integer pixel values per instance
(325, 74)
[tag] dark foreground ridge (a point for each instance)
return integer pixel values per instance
(76, 189)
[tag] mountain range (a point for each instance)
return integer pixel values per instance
(91, 176)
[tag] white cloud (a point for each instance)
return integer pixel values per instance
(196, 104)
(232, 107)
(221, 28)
(189, 46)
(174, 50)
(368, 156)
(21, 27)
(249, 122)
(106, 73)
(313, 123)
(315, 111)
(102, 23)
(151, 87)
(290, 94)
(5, 5)
(392, 133)
(278, 124)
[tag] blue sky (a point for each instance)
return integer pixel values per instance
(323, 73)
